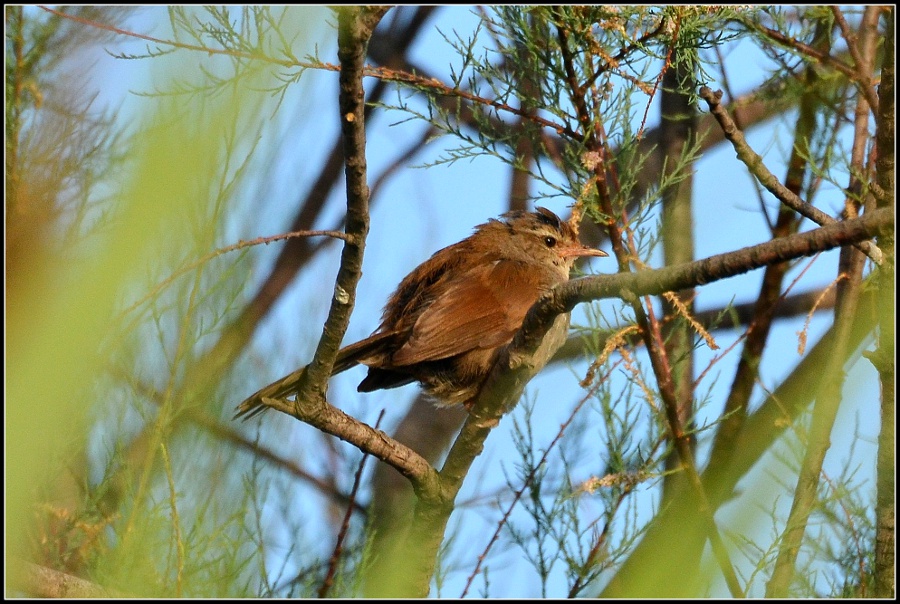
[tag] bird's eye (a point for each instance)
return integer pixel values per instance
(550, 241)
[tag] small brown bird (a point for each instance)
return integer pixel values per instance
(449, 318)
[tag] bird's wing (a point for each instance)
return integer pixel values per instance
(481, 309)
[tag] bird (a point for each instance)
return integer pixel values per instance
(451, 317)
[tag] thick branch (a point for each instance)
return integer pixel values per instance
(43, 582)
(700, 272)
(884, 357)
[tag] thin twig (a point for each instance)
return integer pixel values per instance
(176, 523)
(756, 166)
(806, 49)
(613, 61)
(527, 483)
(345, 524)
(863, 74)
(230, 248)
(182, 45)
(657, 353)
(383, 73)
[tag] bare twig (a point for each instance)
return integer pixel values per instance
(756, 166)
(175, 44)
(527, 483)
(230, 248)
(862, 77)
(382, 73)
(345, 525)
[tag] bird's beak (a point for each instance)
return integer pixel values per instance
(581, 250)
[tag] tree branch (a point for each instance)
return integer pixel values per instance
(354, 30)
(863, 74)
(828, 399)
(717, 267)
(822, 57)
(756, 166)
(331, 420)
(884, 358)
(43, 582)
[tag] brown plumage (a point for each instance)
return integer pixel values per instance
(451, 316)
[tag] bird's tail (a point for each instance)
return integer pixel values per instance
(347, 357)
(254, 405)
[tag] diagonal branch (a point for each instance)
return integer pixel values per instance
(822, 57)
(756, 166)
(331, 420)
(863, 75)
